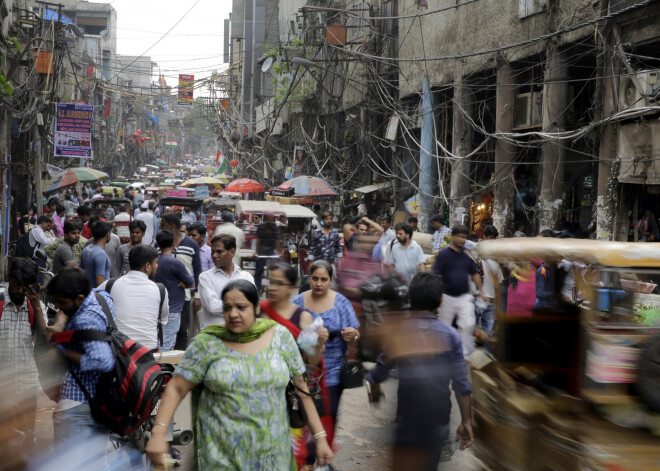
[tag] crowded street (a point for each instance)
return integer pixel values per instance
(330, 235)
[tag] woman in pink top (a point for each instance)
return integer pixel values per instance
(522, 289)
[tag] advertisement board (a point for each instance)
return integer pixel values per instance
(186, 86)
(73, 130)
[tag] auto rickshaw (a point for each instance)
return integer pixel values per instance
(180, 202)
(574, 385)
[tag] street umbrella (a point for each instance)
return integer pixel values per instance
(72, 176)
(62, 180)
(311, 189)
(212, 183)
(206, 169)
(245, 185)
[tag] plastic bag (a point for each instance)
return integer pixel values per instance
(309, 337)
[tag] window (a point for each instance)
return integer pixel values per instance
(530, 7)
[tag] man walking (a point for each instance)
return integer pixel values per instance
(492, 278)
(440, 232)
(121, 224)
(172, 273)
(268, 243)
(456, 268)
(94, 260)
(212, 282)
(64, 255)
(39, 237)
(138, 300)
(75, 430)
(121, 265)
(186, 250)
(406, 256)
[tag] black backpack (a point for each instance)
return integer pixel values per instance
(23, 247)
(125, 396)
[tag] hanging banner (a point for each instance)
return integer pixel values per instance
(186, 85)
(53, 170)
(73, 130)
(412, 205)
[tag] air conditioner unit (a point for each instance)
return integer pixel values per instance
(528, 110)
(630, 97)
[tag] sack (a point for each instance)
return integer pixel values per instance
(351, 374)
(294, 406)
(23, 247)
(126, 395)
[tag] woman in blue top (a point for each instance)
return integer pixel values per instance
(338, 317)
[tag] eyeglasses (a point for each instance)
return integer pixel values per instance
(278, 284)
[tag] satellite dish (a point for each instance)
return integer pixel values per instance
(266, 65)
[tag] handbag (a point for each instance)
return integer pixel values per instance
(351, 374)
(294, 406)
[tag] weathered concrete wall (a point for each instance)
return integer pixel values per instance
(288, 10)
(475, 27)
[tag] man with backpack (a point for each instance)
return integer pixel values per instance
(140, 304)
(73, 424)
(21, 313)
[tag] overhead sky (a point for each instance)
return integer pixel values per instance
(194, 46)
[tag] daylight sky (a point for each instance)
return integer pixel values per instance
(194, 46)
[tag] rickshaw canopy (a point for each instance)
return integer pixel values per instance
(590, 252)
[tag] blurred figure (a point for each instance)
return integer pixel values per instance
(21, 315)
(268, 243)
(429, 355)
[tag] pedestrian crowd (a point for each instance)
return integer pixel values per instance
(170, 285)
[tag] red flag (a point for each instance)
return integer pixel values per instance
(217, 159)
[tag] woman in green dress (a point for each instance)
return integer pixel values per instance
(238, 374)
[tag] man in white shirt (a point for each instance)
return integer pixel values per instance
(121, 224)
(492, 278)
(138, 300)
(147, 216)
(39, 238)
(228, 227)
(213, 281)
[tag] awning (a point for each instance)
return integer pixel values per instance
(297, 211)
(374, 187)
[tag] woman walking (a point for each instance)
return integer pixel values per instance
(338, 317)
(283, 279)
(239, 410)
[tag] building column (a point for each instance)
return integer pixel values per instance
(505, 151)
(553, 153)
(462, 133)
(426, 180)
(606, 154)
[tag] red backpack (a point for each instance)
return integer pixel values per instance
(126, 395)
